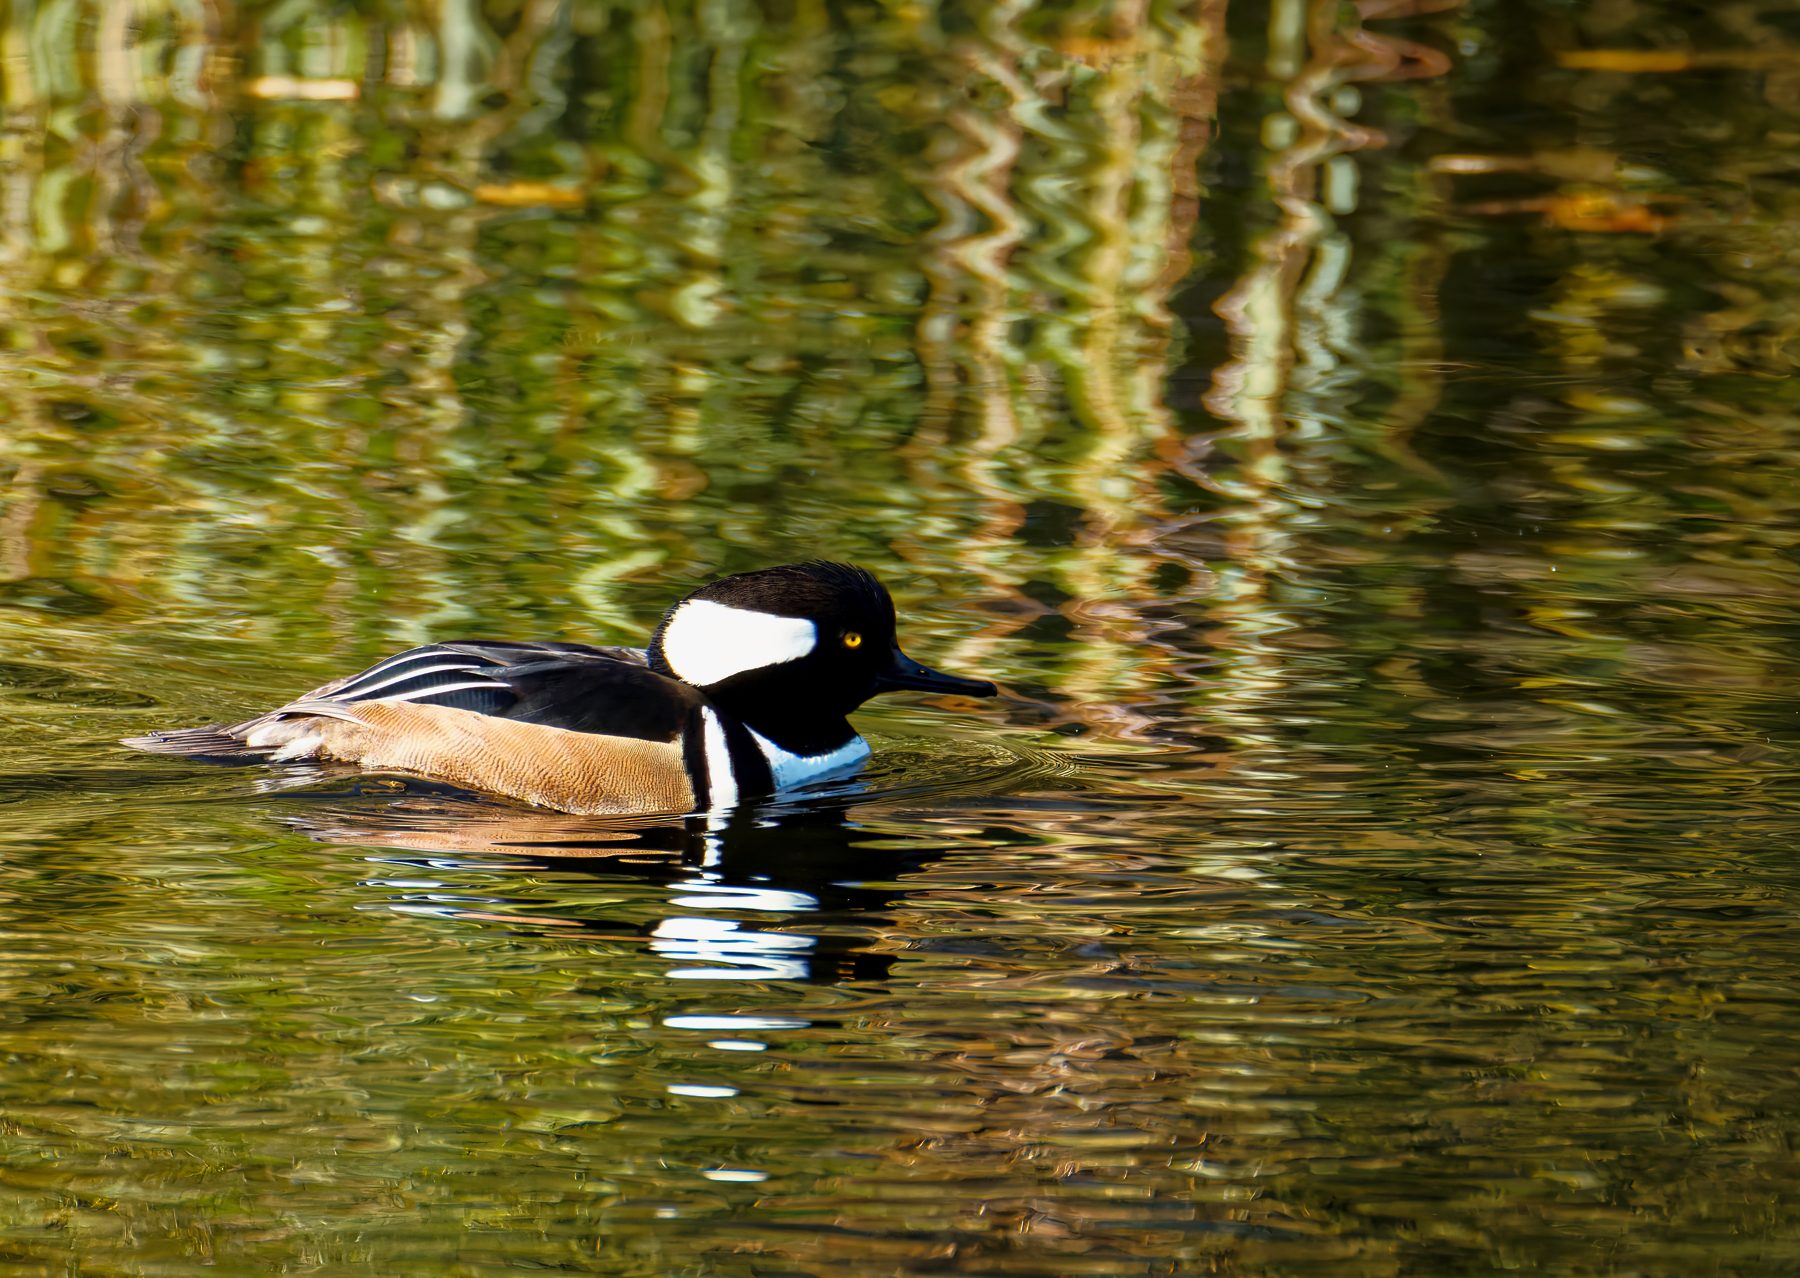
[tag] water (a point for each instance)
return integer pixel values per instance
(1363, 453)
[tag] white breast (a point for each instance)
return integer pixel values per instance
(721, 780)
(790, 770)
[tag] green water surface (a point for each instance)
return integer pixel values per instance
(1363, 445)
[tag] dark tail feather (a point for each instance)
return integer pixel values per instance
(214, 743)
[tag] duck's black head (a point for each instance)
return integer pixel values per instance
(793, 650)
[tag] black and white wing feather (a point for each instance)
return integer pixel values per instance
(486, 677)
(567, 685)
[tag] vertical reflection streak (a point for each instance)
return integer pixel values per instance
(468, 50)
(1273, 316)
(962, 326)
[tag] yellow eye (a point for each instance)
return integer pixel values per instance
(852, 639)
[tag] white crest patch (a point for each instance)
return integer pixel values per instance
(706, 642)
(791, 769)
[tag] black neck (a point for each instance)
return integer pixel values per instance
(796, 728)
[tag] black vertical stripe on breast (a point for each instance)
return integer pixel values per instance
(748, 763)
(693, 757)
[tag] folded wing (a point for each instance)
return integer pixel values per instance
(607, 691)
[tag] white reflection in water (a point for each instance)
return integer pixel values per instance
(710, 894)
(741, 954)
(744, 1022)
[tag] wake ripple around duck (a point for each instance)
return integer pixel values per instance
(917, 771)
(905, 773)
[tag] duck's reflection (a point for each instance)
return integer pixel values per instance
(771, 893)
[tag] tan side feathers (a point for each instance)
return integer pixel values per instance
(580, 772)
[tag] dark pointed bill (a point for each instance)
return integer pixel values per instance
(905, 674)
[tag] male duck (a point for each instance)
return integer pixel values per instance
(744, 691)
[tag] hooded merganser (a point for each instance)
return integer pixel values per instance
(745, 690)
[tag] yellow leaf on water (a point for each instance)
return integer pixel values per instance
(529, 195)
(1627, 59)
(294, 89)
